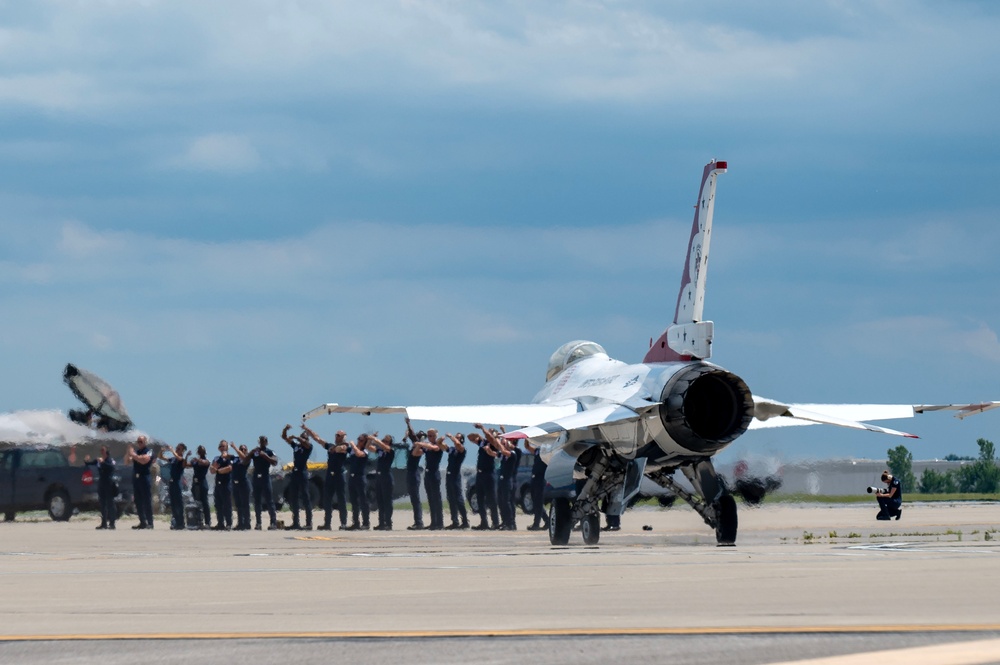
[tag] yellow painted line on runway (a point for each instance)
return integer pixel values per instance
(525, 632)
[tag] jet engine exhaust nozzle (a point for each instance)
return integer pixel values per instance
(705, 408)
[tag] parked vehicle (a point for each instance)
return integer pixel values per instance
(41, 478)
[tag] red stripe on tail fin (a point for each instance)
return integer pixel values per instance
(688, 337)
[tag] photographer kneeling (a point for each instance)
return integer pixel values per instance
(890, 499)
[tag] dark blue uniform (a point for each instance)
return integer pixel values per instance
(241, 492)
(199, 487)
(413, 472)
(486, 490)
(538, 468)
(106, 491)
(506, 496)
(432, 486)
(384, 487)
(262, 483)
(223, 498)
(891, 506)
(142, 493)
(299, 485)
(176, 468)
(334, 487)
(453, 488)
(357, 485)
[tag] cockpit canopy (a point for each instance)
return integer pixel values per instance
(569, 353)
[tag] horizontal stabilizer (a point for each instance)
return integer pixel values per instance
(964, 410)
(516, 415)
(604, 415)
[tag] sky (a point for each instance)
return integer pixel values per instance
(237, 211)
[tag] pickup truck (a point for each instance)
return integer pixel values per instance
(41, 478)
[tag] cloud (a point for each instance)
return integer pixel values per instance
(489, 284)
(566, 52)
(220, 153)
(49, 91)
(133, 290)
(78, 240)
(928, 242)
(918, 336)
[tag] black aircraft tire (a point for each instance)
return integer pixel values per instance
(590, 529)
(8, 516)
(560, 521)
(725, 511)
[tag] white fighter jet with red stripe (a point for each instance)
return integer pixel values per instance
(603, 424)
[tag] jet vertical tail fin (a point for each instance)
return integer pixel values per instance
(690, 337)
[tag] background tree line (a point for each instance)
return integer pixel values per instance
(981, 476)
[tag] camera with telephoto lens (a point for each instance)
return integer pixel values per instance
(876, 490)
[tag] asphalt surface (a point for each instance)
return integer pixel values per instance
(803, 582)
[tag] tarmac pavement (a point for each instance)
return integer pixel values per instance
(803, 581)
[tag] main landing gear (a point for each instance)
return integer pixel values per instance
(720, 513)
(561, 524)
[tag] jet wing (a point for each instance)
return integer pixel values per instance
(603, 415)
(516, 415)
(770, 413)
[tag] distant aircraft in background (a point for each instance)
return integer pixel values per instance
(602, 424)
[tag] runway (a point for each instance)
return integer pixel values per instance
(803, 582)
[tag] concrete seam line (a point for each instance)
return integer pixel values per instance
(553, 632)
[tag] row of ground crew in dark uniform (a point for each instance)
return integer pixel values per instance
(342, 456)
(496, 497)
(234, 474)
(236, 469)
(346, 477)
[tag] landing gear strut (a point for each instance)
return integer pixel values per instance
(720, 515)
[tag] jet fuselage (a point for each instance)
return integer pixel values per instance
(681, 410)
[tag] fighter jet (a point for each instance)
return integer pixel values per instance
(603, 424)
